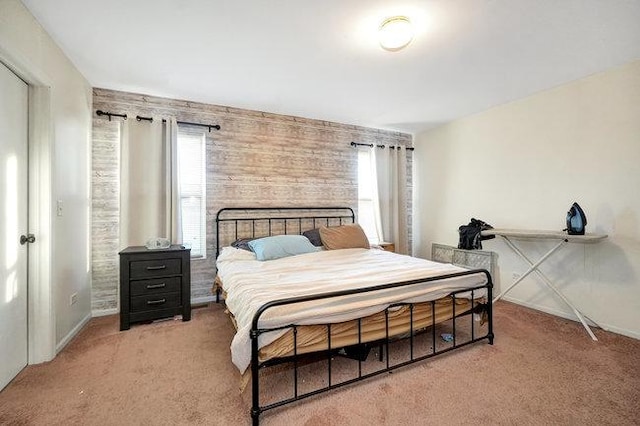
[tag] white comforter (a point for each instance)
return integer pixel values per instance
(250, 284)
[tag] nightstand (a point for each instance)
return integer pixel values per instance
(387, 246)
(154, 284)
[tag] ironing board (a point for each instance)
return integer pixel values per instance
(562, 238)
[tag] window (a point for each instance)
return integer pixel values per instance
(366, 188)
(192, 168)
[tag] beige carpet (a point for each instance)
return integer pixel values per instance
(542, 370)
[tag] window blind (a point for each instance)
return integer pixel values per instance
(192, 169)
(366, 215)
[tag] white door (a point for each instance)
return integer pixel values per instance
(13, 223)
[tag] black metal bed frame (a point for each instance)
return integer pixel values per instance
(315, 214)
(270, 214)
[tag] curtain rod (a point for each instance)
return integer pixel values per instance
(100, 113)
(370, 145)
(140, 118)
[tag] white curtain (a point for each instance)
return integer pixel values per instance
(391, 171)
(149, 199)
(173, 223)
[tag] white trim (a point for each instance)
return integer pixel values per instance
(41, 313)
(65, 341)
(41, 301)
(23, 67)
(113, 311)
(104, 312)
(203, 300)
(570, 316)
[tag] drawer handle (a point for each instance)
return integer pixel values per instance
(150, 286)
(156, 302)
(156, 268)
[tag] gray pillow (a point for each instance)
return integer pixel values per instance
(243, 243)
(314, 236)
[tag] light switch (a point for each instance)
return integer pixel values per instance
(59, 207)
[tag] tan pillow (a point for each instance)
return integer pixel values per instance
(343, 237)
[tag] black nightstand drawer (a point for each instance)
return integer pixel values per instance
(155, 268)
(151, 302)
(155, 286)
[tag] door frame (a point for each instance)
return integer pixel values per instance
(40, 300)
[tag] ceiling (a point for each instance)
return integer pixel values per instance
(321, 59)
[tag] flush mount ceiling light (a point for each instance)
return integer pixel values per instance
(395, 33)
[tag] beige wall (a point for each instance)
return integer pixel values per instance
(521, 165)
(37, 59)
(256, 159)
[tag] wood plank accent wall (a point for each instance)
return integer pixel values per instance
(256, 159)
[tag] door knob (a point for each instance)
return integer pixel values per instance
(29, 238)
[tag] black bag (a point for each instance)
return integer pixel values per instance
(470, 238)
(576, 220)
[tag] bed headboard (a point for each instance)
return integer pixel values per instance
(233, 223)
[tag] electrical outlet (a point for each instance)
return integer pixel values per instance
(59, 207)
(73, 299)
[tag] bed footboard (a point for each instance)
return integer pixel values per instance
(414, 333)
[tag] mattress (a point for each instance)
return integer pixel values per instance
(249, 284)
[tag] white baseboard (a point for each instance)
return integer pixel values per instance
(623, 331)
(65, 341)
(571, 316)
(104, 312)
(203, 300)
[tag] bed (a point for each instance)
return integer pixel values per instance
(323, 303)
